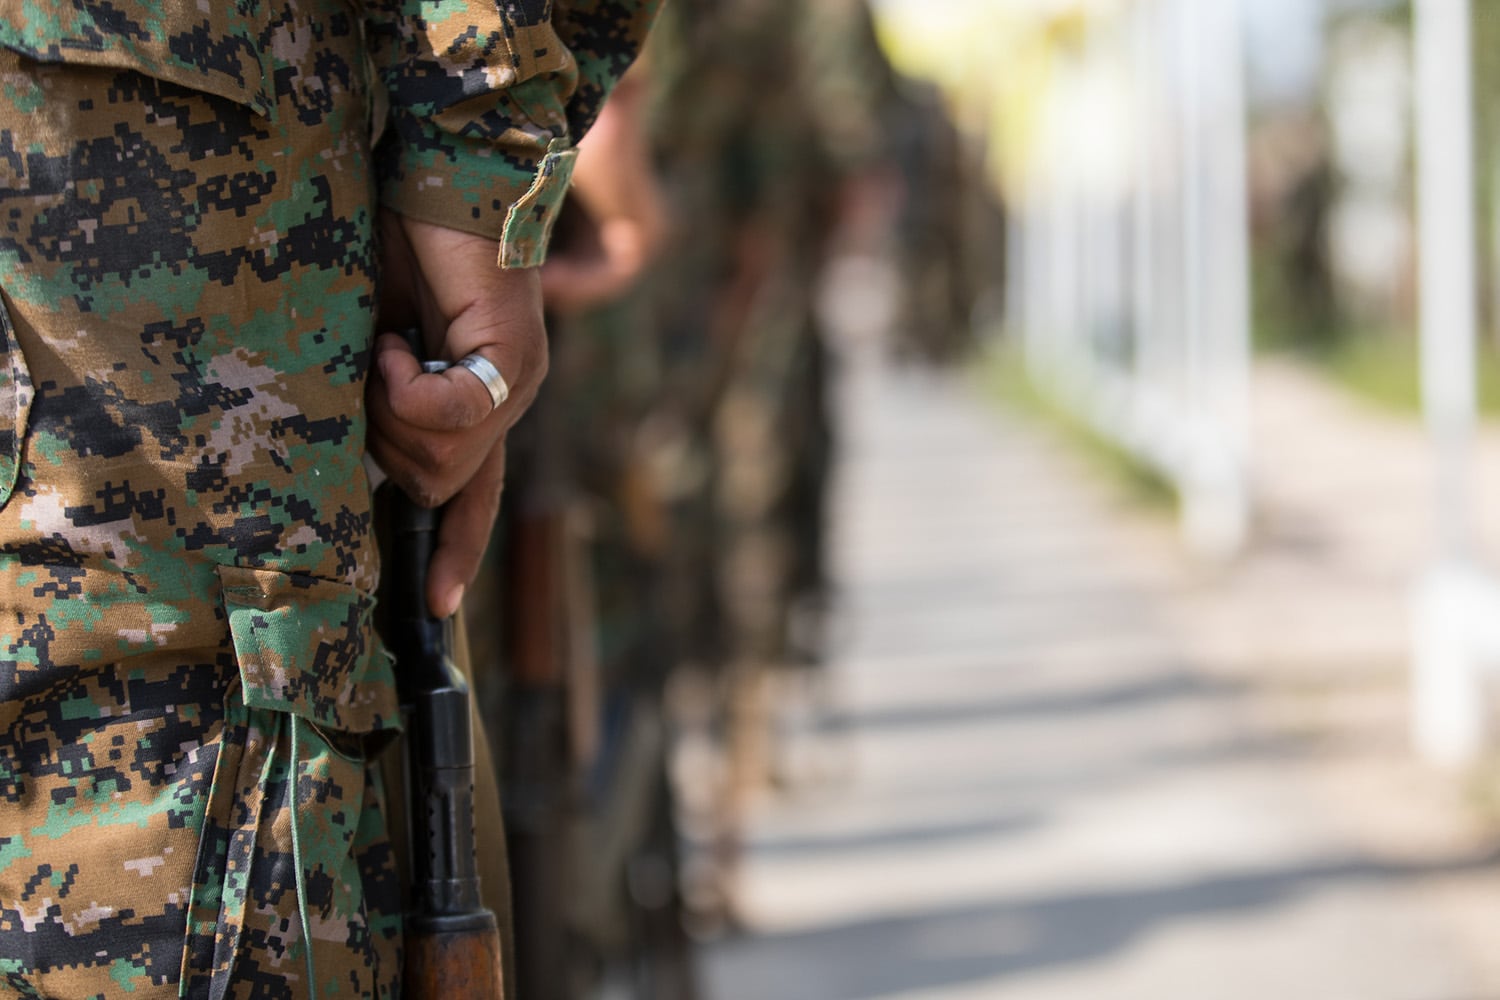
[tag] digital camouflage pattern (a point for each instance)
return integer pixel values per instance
(485, 98)
(185, 650)
(189, 685)
(467, 161)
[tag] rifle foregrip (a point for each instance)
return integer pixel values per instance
(453, 964)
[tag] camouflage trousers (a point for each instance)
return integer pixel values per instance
(189, 687)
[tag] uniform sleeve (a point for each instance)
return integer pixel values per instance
(486, 98)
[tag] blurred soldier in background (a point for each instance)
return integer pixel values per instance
(661, 554)
(949, 245)
(576, 652)
(762, 133)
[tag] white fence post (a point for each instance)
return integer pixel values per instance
(1171, 188)
(1216, 514)
(1456, 615)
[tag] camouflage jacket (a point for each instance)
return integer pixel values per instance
(188, 683)
(485, 99)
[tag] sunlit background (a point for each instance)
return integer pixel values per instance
(1166, 626)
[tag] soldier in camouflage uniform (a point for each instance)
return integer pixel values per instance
(189, 688)
(724, 424)
(624, 912)
(950, 248)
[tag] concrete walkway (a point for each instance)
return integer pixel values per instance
(1076, 766)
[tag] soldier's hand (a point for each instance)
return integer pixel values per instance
(598, 266)
(618, 211)
(437, 435)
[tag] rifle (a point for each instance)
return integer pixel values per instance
(452, 941)
(537, 778)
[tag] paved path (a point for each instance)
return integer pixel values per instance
(1078, 767)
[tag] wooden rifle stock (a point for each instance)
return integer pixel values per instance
(452, 941)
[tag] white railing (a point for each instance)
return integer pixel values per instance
(1132, 254)
(1131, 296)
(1456, 621)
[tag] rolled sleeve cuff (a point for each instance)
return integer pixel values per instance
(477, 188)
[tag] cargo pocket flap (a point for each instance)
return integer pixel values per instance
(306, 646)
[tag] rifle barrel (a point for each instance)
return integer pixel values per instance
(452, 940)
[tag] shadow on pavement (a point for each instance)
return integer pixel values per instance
(890, 955)
(917, 835)
(1141, 692)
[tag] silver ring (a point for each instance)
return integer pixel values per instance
(494, 382)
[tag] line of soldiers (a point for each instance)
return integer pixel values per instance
(659, 567)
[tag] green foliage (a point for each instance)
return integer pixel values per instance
(1002, 376)
(1383, 368)
(1283, 320)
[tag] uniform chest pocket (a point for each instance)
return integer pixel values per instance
(15, 404)
(217, 47)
